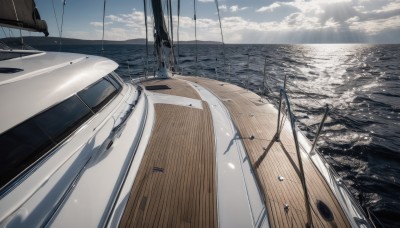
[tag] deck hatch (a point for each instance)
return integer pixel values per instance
(157, 87)
(324, 210)
(9, 70)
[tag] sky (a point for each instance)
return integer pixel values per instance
(243, 21)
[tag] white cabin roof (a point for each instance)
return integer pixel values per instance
(47, 79)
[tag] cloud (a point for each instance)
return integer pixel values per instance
(299, 21)
(366, 18)
(232, 9)
(236, 8)
(374, 27)
(100, 24)
(223, 7)
(269, 8)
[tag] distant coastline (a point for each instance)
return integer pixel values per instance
(41, 41)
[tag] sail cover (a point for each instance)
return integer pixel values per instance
(160, 27)
(21, 14)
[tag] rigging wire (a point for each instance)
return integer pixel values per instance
(20, 31)
(179, 12)
(147, 39)
(195, 34)
(15, 10)
(62, 21)
(104, 15)
(172, 36)
(154, 60)
(55, 15)
(222, 36)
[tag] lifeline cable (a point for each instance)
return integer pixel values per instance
(102, 38)
(62, 21)
(195, 33)
(147, 39)
(222, 35)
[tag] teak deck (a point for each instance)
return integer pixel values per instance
(253, 118)
(176, 183)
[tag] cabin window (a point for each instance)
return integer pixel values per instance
(114, 81)
(117, 77)
(24, 144)
(99, 94)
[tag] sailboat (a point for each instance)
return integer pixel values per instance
(81, 147)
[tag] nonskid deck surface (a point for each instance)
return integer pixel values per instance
(175, 185)
(176, 182)
(256, 122)
(176, 87)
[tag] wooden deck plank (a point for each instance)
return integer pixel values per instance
(253, 118)
(175, 184)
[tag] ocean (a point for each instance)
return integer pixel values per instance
(359, 82)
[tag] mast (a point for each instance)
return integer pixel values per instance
(161, 37)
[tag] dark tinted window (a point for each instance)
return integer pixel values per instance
(24, 144)
(117, 78)
(114, 81)
(97, 95)
(63, 119)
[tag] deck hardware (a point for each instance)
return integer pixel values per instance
(276, 138)
(158, 169)
(252, 137)
(321, 125)
(110, 144)
(324, 211)
(281, 178)
(143, 203)
(286, 207)
(190, 105)
(284, 101)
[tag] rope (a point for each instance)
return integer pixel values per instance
(147, 39)
(222, 35)
(62, 21)
(104, 15)
(195, 33)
